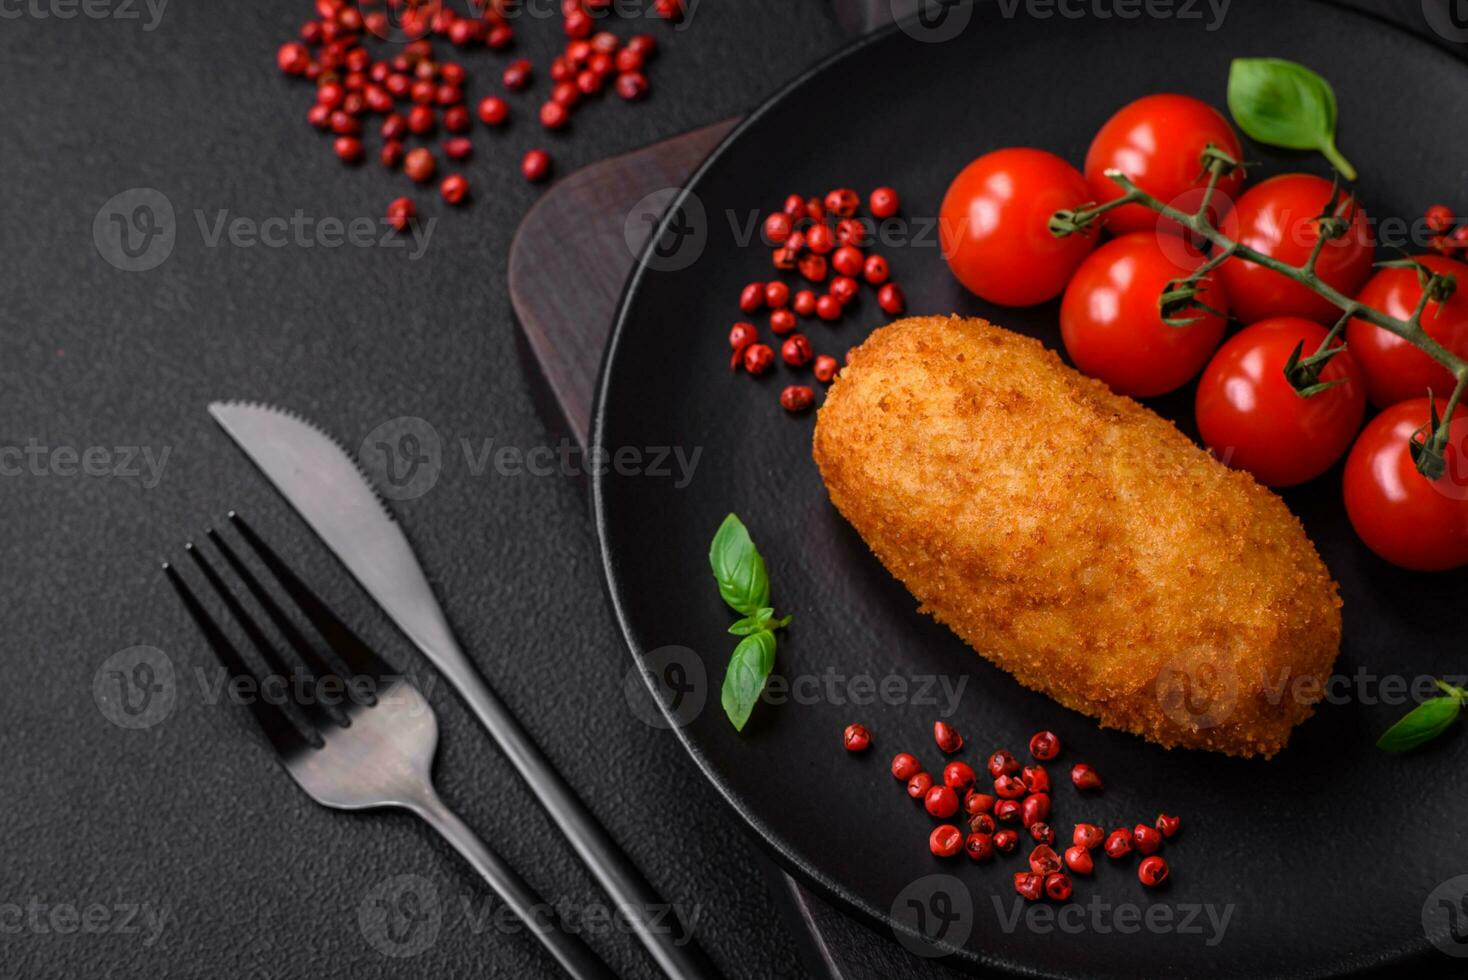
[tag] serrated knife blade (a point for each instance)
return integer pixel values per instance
(325, 485)
(323, 482)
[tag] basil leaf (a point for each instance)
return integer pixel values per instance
(738, 568)
(753, 624)
(1285, 104)
(1420, 725)
(749, 668)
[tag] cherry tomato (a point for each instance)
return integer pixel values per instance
(1277, 218)
(1253, 419)
(995, 226)
(1401, 515)
(1158, 142)
(1112, 325)
(1395, 368)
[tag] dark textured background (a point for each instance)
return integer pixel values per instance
(191, 815)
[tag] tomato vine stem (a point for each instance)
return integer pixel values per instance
(1435, 287)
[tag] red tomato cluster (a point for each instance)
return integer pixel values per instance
(996, 238)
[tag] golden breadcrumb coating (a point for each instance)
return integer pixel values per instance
(1077, 539)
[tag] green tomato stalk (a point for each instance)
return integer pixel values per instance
(1180, 297)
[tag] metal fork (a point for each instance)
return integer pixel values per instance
(372, 751)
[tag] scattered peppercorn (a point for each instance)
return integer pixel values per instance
(959, 776)
(981, 823)
(758, 358)
(419, 165)
(948, 739)
(1044, 860)
(905, 766)
(1036, 779)
(941, 801)
(1152, 871)
(1005, 841)
(797, 398)
(1029, 884)
(891, 299)
(536, 166)
(856, 738)
(796, 351)
(1044, 746)
(883, 202)
(1088, 835)
(1078, 859)
(1084, 776)
(401, 212)
(493, 110)
(1001, 763)
(1058, 886)
(976, 802)
(1119, 843)
(1034, 808)
(1146, 839)
(945, 840)
(455, 188)
(979, 847)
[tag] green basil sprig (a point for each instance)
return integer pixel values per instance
(1285, 104)
(744, 584)
(1425, 722)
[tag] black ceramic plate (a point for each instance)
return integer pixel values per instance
(1323, 859)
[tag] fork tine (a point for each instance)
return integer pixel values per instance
(353, 652)
(309, 707)
(314, 661)
(283, 734)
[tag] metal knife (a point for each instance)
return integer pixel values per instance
(322, 481)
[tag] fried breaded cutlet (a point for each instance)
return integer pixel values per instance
(1077, 539)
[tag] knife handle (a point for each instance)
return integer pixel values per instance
(657, 924)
